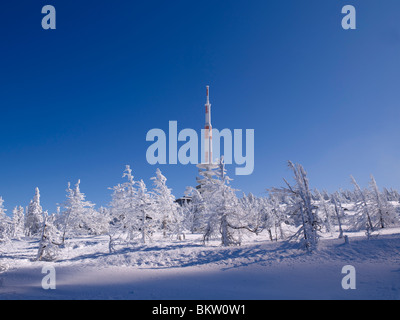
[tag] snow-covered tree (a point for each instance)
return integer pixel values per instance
(222, 217)
(5, 224)
(18, 220)
(346, 196)
(301, 207)
(362, 208)
(194, 210)
(261, 214)
(132, 211)
(339, 212)
(325, 210)
(2, 209)
(145, 209)
(382, 210)
(256, 216)
(49, 245)
(78, 215)
(275, 217)
(124, 218)
(165, 207)
(34, 216)
(391, 195)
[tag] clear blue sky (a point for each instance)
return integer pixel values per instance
(77, 102)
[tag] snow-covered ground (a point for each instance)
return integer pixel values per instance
(186, 270)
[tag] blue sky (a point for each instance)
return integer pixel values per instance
(77, 102)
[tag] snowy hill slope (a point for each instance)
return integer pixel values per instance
(259, 269)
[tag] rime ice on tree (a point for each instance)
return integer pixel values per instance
(79, 215)
(18, 222)
(34, 216)
(165, 207)
(5, 224)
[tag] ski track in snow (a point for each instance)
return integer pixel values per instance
(259, 269)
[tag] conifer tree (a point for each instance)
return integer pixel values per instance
(5, 224)
(78, 213)
(165, 207)
(145, 209)
(222, 215)
(124, 218)
(18, 220)
(34, 216)
(301, 208)
(49, 245)
(382, 210)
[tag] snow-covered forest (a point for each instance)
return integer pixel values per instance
(217, 243)
(138, 214)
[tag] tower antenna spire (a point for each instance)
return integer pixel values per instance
(208, 130)
(206, 168)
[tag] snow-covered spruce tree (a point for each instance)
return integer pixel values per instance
(145, 208)
(97, 222)
(346, 196)
(383, 211)
(194, 210)
(391, 195)
(178, 226)
(132, 212)
(263, 214)
(49, 245)
(363, 217)
(123, 215)
(165, 207)
(18, 220)
(222, 215)
(339, 212)
(301, 208)
(325, 210)
(2, 209)
(5, 224)
(78, 215)
(256, 212)
(34, 216)
(276, 216)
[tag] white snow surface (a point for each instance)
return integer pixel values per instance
(188, 270)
